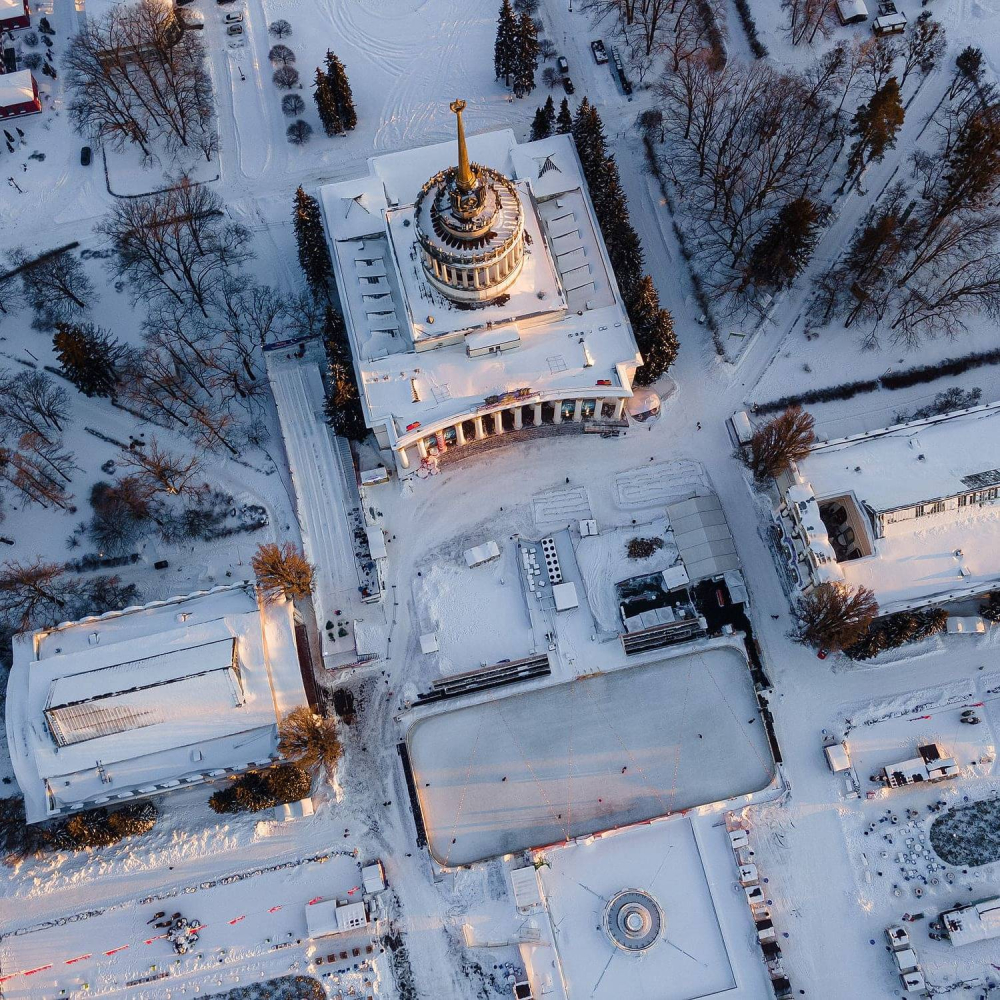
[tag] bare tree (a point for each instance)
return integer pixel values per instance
(164, 472)
(924, 46)
(780, 442)
(31, 473)
(309, 740)
(33, 402)
(175, 244)
(55, 286)
(806, 18)
(32, 593)
(282, 569)
(834, 616)
(136, 76)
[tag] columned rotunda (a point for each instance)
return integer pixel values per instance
(470, 226)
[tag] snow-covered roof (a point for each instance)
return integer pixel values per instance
(563, 313)
(911, 463)
(16, 88)
(11, 9)
(330, 916)
(976, 922)
(675, 867)
(702, 537)
(139, 701)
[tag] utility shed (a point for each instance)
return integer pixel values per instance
(480, 554)
(851, 11)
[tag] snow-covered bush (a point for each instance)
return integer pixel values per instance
(896, 630)
(257, 790)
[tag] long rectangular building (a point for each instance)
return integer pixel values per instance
(141, 701)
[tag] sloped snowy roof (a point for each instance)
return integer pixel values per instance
(702, 537)
(16, 88)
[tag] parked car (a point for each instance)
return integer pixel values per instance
(235, 29)
(85, 156)
(600, 52)
(221, 2)
(568, 85)
(234, 16)
(562, 64)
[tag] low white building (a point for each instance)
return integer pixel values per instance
(975, 922)
(482, 300)
(909, 511)
(142, 701)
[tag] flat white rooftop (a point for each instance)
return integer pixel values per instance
(911, 463)
(953, 552)
(602, 751)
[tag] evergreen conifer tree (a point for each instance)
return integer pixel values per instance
(540, 127)
(506, 43)
(564, 120)
(314, 253)
(785, 247)
(525, 55)
(343, 401)
(550, 114)
(875, 125)
(326, 105)
(340, 91)
(89, 357)
(654, 332)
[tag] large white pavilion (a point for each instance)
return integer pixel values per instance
(480, 301)
(142, 701)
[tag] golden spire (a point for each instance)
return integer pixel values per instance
(466, 178)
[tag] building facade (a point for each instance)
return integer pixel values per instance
(14, 14)
(480, 301)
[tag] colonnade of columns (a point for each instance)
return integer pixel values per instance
(517, 413)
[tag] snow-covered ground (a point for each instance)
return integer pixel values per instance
(815, 846)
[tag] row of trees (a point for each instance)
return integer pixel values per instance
(334, 100)
(653, 326)
(926, 256)
(516, 50)
(137, 76)
(343, 401)
(678, 27)
(91, 828)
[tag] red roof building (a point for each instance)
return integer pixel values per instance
(14, 14)
(18, 95)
